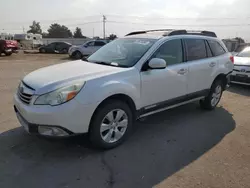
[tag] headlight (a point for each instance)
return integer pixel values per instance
(61, 95)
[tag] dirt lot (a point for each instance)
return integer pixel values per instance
(184, 147)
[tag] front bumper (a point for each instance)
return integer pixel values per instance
(71, 117)
(45, 130)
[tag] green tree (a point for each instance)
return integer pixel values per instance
(78, 33)
(59, 31)
(112, 36)
(35, 28)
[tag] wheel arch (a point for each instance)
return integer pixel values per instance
(223, 78)
(121, 97)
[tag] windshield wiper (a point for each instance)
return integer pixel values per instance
(113, 64)
(101, 62)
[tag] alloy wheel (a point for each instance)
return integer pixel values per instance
(216, 95)
(114, 125)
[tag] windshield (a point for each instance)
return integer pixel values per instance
(122, 52)
(244, 53)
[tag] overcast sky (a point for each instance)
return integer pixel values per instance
(228, 18)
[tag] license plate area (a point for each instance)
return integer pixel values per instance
(242, 75)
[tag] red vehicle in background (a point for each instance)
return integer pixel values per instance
(8, 47)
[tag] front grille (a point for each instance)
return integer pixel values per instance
(240, 79)
(242, 68)
(25, 93)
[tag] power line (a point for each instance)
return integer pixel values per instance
(182, 25)
(180, 18)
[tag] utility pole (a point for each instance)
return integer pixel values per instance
(104, 22)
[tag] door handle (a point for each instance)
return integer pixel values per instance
(182, 71)
(212, 64)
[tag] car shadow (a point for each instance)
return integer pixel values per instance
(160, 146)
(239, 89)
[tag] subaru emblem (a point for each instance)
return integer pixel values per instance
(242, 70)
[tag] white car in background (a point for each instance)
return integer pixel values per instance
(241, 72)
(88, 48)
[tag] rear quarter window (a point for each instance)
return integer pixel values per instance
(216, 48)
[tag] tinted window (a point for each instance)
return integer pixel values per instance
(51, 45)
(91, 43)
(99, 43)
(196, 49)
(209, 52)
(216, 48)
(171, 52)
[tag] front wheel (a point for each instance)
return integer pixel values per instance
(77, 55)
(214, 96)
(111, 124)
(64, 51)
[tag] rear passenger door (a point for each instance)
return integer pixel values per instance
(201, 65)
(98, 45)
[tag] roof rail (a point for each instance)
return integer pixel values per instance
(172, 32)
(185, 32)
(146, 31)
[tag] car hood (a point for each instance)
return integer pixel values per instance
(241, 60)
(50, 78)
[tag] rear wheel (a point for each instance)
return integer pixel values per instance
(42, 50)
(8, 53)
(214, 96)
(111, 124)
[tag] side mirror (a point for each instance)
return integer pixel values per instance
(86, 46)
(157, 63)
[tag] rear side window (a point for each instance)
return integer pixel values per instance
(195, 49)
(99, 43)
(216, 48)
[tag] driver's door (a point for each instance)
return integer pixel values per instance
(88, 48)
(162, 87)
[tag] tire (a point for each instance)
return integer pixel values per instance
(42, 50)
(214, 96)
(114, 132)
(77, 55)
(64, 51)
(8, 54)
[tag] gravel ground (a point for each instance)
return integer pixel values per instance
(183, 147)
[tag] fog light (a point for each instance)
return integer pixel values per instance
(51, 131)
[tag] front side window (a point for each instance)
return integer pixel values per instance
(51, 45)
(244, 53)
(171, 52)
(216, 48)
(196, 49)
(92, 43)
(124, 52)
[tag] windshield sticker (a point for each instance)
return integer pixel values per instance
(142, 42)
(114, 63)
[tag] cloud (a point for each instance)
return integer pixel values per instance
(130, 14)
